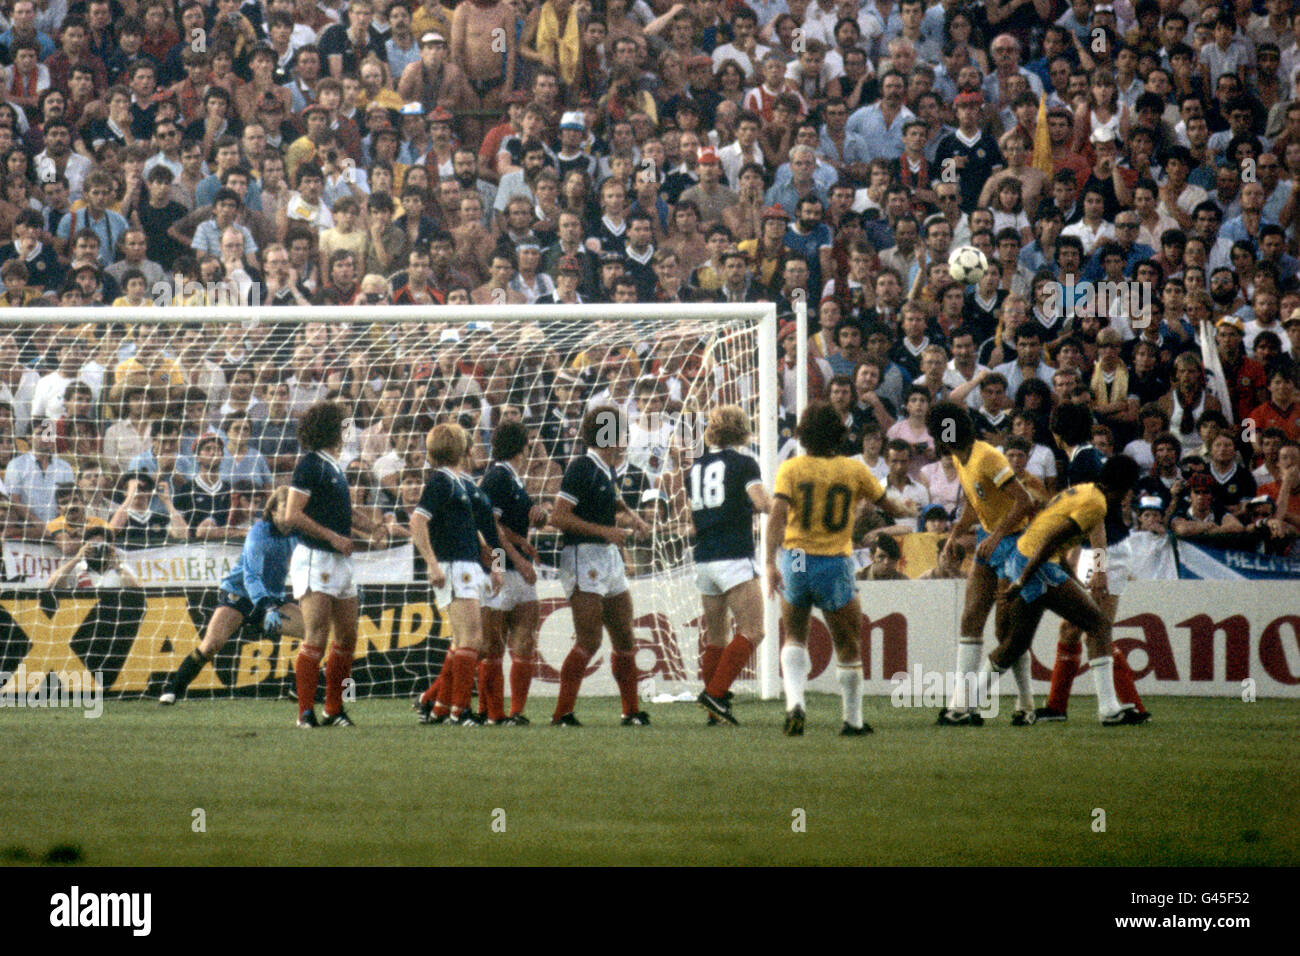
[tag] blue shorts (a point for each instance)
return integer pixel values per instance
(242, 604)
(1049, 575)
(826, 581)
(1000, 554)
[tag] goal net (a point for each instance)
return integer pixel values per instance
(165, 431)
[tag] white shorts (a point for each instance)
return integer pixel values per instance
(1117, 570)
(719, 577)
(465, 579)
(514, 592)
(594, 568)
(324, 571)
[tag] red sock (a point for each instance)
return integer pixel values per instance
(431, 692)
(1125, 687)
(306, 671)
(492, 687)
(337, 669)
(623, 664)
(1063, 672)
(734, 658)
(570, 680)
(464, 662)
(521, 679)
(709, 661)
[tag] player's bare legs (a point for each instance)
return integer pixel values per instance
(794, 661)
(467, 644)
(338, 669)
(491, 676)
(222, 626)
(617, 613)
(715, 633)
(521, 624)
(1074, 604)
(745, 601)
(846, 637)
(317, 609)
(1066, 666)
(981, 594)
(588, 627)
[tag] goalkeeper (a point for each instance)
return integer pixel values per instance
(253, 592)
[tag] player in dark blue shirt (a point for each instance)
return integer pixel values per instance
(252, 593)
(591, 564)
(447, 527)
(726, 489)
(511, 617)
(319, 511)
(1072, 428)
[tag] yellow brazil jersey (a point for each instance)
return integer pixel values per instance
(984, 478)
(1085, 505)
(824, 494)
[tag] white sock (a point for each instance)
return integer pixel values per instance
(794, 674)
(968, 663)
(1103, 676)
(986, 684)
(1024, 690)
(850, 677)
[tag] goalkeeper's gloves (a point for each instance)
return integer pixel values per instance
(272, 623)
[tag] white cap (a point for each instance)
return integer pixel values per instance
(449, 335)
(1103, 135)
(573, 120)
(1150, 503)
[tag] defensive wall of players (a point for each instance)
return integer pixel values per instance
(1198, 638)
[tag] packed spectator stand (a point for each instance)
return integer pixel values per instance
(372, 153)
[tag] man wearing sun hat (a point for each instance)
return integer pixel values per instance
(1243, 375)
(433, 80)
(571, 155)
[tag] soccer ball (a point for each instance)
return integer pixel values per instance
(967, 265)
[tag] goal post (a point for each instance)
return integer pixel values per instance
(115, 386)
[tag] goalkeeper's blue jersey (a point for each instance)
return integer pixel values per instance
(262, 566)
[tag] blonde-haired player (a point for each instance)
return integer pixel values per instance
(726, 489)
(448, 533)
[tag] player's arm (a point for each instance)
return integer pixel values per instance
(776, 520)
(255, 548)
(1055, 541)
(420, 538)
(297, 520)
(965, 521)
(1022, 505)
(639, 526)
(759, 497)
(1097, 581)
(563, 518)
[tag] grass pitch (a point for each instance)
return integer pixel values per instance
(1208, 782)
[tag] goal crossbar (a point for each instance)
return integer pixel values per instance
(762, 315)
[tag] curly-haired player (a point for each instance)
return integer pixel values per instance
(591, 565)
(511, 615)
(319, 512)
(817, 497)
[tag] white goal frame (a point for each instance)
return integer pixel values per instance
(763, 313)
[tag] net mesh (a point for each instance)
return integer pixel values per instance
(173, 436)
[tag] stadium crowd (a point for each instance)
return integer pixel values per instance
(1127, 169)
